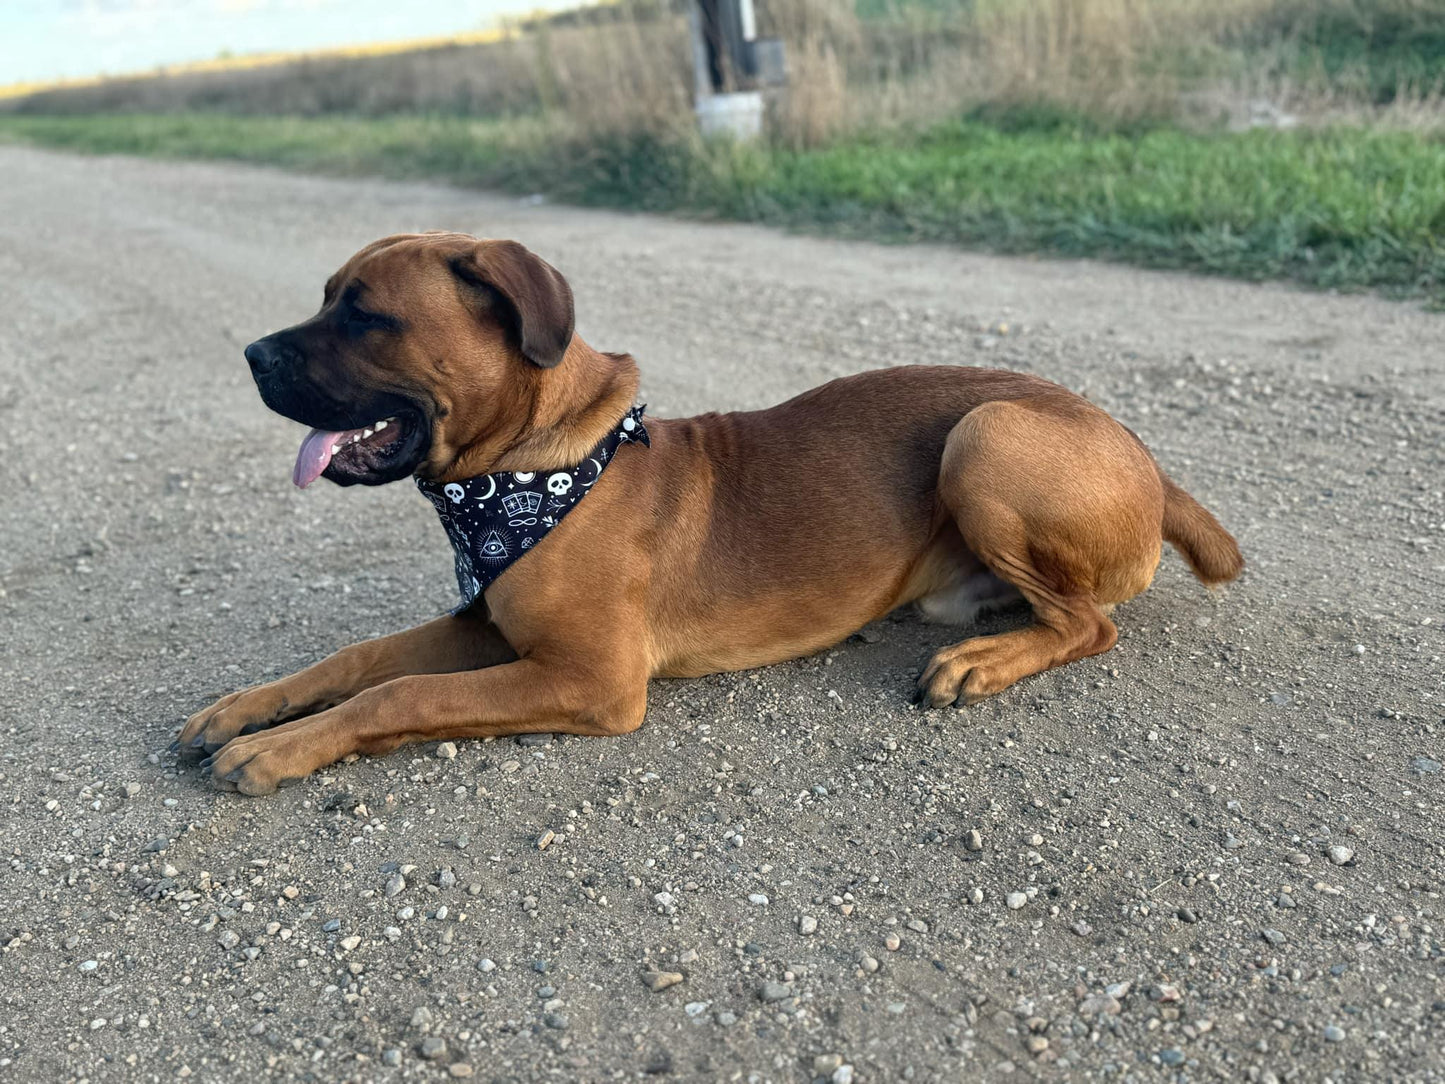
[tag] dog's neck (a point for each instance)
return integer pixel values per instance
(572, 407)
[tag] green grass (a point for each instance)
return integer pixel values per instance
(1347, 208)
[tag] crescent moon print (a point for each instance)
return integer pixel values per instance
(482, 537)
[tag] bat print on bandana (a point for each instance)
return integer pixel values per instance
(491, 520)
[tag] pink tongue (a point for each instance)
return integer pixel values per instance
(314, 455)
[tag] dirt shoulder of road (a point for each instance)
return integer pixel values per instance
(1212, 853)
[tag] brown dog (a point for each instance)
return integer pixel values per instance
(983, 486)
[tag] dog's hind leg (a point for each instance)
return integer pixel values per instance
(446, 645)
(1062, 502)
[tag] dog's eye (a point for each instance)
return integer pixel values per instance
(358, 319)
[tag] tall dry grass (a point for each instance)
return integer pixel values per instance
(626, 67)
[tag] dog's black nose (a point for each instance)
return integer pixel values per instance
(264, 355)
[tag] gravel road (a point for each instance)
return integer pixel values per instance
(1212, 854)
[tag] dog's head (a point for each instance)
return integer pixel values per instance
(424, 343)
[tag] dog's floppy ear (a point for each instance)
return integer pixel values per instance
(529, 293)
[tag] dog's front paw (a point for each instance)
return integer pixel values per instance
(256, 764)
(243, 712)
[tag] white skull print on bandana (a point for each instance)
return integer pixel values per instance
(491, 520)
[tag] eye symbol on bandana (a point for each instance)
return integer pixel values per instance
(522, 507)
(559, 484)
(495, 547)
(454, 492)
(524, 476)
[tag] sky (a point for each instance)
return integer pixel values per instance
(54, 39)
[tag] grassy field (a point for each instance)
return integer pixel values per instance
(1342, 207)
(1299, 139)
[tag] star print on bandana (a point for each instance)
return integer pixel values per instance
(492, 520)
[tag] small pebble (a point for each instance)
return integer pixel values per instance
(1340, 855)
(433, 1047)
(1334, 1034)
(1015, 900)
(807, 924)
(973, 840)
(447, 750)
(774, 991)
(660, 980)
(395, 885)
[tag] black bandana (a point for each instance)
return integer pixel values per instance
(493, 519)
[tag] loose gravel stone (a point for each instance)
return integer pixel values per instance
(973, 840)
(1340, 855)
(1334, 1034)
(807, 924)
(433, 1047)
(1015, 900)
(774, 991)
(395, 885)
(661, 980)
(447, 750)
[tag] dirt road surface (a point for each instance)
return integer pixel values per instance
(1214, 854)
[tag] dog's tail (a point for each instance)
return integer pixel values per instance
(1189, 527)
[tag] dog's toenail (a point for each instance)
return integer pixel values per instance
(198, 742)
(235, 777)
